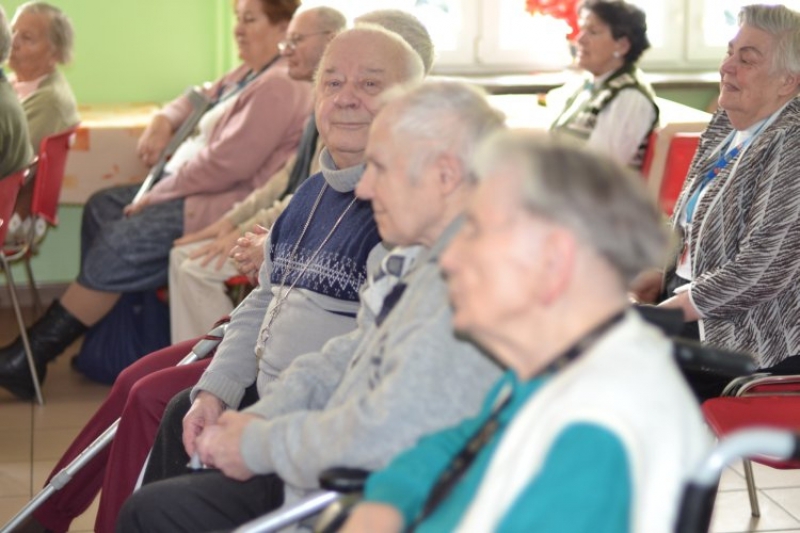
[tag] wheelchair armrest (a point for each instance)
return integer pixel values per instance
(692, 355)
(343, 480)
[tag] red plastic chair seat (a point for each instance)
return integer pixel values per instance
(729, 414)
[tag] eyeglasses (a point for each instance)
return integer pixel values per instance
(290, 43)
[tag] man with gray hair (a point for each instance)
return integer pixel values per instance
(593, 428)
(15, 149)
(369, 394)
(407, 26)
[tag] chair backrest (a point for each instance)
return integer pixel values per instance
(9, 189)
(50, 175)
(681, 151)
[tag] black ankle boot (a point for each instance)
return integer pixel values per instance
(48, 337)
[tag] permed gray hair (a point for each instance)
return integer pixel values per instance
(783, 24)
(5, 37)
(604, 204)
(61, 34)
(329, 19)
(406, 26)
(446, 116)
(414, 69)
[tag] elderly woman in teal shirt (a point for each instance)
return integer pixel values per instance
(593, 428)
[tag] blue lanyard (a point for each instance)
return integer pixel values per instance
(712, 173)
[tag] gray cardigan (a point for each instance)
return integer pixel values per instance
(372, 393)
(745, 241)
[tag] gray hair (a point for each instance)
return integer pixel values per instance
(60, 33)
(406, 26)
(604, 204)
(5, 37)
(411, 61)
(446, 116)
(329, 19)
(784, 25)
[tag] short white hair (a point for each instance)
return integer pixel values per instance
(443, 116)
(784, 25)
(407, 26)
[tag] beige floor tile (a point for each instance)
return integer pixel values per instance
(51, 443)
(15, 414)
(15, 479)
(64, 414)
(15, 445)
(789, 499)
(770, 478)
(41, 469)
(732, 515)
(731, 480)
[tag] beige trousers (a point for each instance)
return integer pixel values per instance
(197, 296)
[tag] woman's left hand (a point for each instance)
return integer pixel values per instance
(132, 209)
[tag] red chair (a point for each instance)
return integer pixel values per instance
(47, 183)
(760, 400)
(49, 177)
(681, 151)
(9, 189)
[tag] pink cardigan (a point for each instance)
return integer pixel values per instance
(249, 143)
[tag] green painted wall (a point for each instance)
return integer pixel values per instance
(131, 51)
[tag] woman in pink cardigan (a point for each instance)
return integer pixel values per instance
(253, 127)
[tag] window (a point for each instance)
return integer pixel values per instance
(500, 36)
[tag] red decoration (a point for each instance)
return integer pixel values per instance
(566, 10)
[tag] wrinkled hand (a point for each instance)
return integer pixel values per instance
(220, 247)
(154, 140)
(221, 227)
(204, 412)
(248, 254)
(646, 287)
(220, 445)
(132, 209)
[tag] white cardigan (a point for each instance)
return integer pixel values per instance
(627, 383)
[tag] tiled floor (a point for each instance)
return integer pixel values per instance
(32, 438)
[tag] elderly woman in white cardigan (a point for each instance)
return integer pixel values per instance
(736, 272)
(568, 439)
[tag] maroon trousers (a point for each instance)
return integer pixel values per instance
(139, 396)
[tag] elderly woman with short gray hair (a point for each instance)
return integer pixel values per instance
(43, 39)
(566, 440)
(736, 272)
(15, 149)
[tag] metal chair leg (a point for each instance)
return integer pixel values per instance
(37, 300)
(751, 488)
(12, 291)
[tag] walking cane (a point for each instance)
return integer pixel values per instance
(200, 104)
(199, 351)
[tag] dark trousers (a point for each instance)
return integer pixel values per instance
(175, 498)
(168, 457)
(197, 502)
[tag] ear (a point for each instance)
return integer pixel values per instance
(623, 46)
(558, 264)
(450, 172)
(790, 84)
